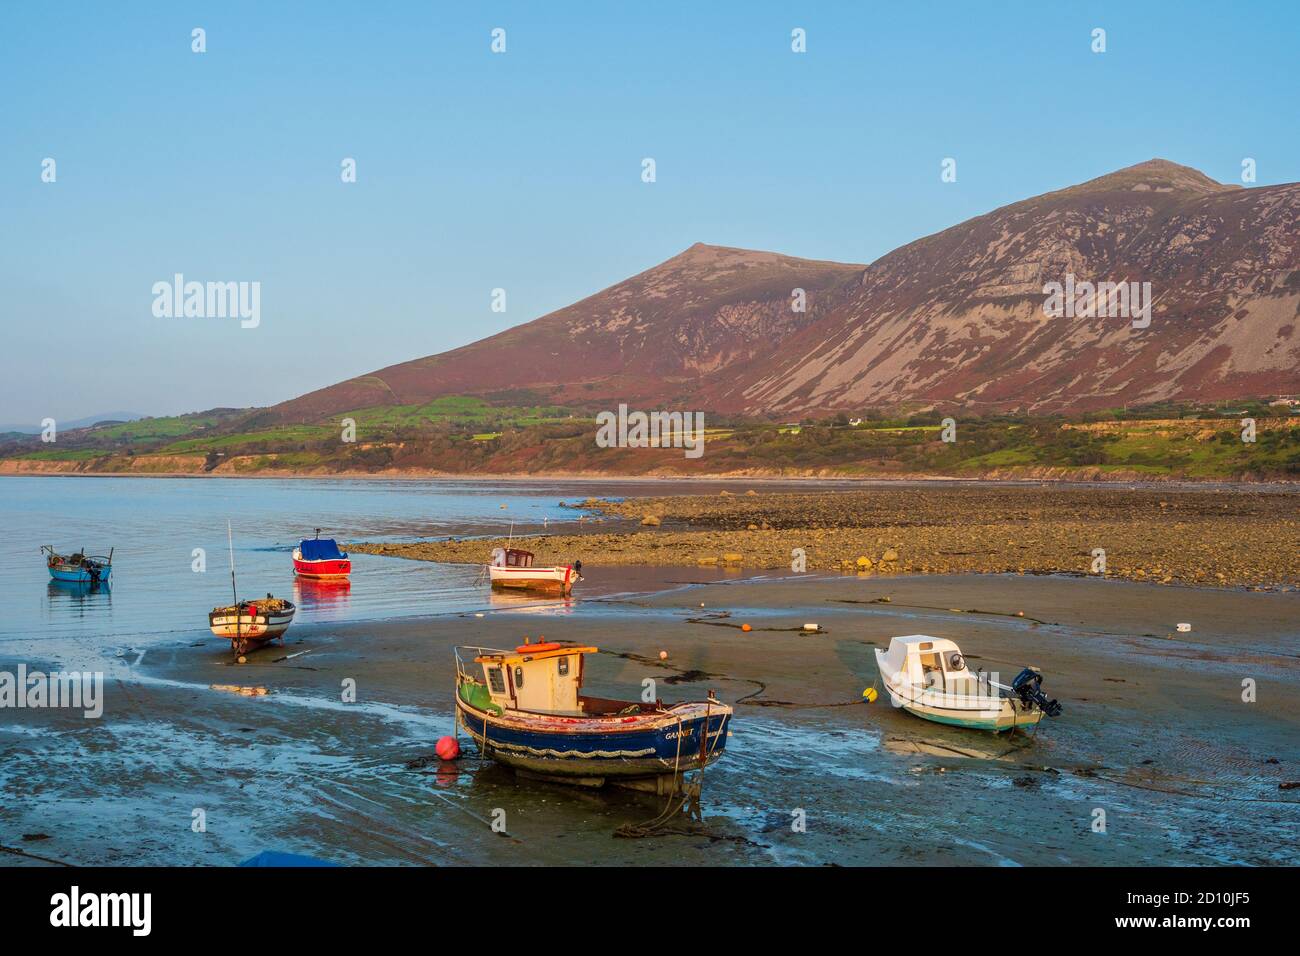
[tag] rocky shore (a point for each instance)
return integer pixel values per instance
(1221, 537)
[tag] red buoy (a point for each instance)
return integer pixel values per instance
(447, 748)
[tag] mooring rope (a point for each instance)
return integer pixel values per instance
(651, 827)
(34, 856)
(663, 824)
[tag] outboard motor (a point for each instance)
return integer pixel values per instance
(1028, 686)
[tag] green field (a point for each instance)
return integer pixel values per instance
(471, 434)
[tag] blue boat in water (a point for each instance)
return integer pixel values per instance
(78, 568)
(525, 709)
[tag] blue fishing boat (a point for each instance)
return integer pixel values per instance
(78, 568)
(525, 709)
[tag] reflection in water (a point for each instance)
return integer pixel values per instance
(970, 746)
(530, 603)
(67, 597)
(330, 599)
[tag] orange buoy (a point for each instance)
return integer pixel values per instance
(663, 655)
(447, 748)
(745, 627)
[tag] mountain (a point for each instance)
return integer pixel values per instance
(652, 338)
(106, 417)
(955, 319)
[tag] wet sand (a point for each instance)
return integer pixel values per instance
(1154, 732)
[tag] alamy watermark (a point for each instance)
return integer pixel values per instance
(1086, 300)
(208, 300)
(130, 910)
(626, 429)
(82, 690)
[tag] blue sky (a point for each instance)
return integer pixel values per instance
(522, 170)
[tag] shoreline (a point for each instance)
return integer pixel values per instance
(1164, 483)
(1240, 539)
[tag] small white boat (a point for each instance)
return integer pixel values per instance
(252, 623)
(513, 568)
(927, 676)
(249, 624)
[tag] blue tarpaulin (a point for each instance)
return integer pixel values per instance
(275, 858)
(320, 549)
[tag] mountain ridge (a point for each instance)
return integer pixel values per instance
(953, 319)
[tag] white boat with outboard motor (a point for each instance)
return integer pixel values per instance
(928, 676)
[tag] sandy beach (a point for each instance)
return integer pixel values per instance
(1154, 733)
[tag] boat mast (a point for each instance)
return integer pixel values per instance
(230, 540)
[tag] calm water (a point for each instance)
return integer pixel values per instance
(155, 525)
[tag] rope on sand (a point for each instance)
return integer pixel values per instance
(34, 856)
(689, 802)
(1184, 793)
(671, 808)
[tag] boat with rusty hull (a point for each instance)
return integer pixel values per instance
(525, 710)
(250, 624)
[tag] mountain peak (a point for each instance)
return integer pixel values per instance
(1154, 175)
(708, 256)
(703, 251)
(956, 318)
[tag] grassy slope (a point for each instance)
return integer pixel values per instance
(464, 434)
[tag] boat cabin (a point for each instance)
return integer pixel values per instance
(544, 678)
(545, 681)
(929, 662)
(512, 558)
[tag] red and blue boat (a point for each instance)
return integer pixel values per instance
(319, 559)
(525, 709)
(79, 568)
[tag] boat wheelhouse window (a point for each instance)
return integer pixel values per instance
(519, 677)
(496, 680)
(931, 670)
(563, 666)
